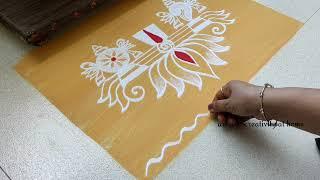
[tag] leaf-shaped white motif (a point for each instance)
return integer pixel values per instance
(210, 55)
(156, 80)
(169, 18)
(206, 37)
(123, 102)
(221, 20)
(187, 76)
(213, 59)
(205, 69)
(165, 17)
(177, 84)
(168, 3)
(124, 44)
(196, 5)
(186, 13)
(222, 15)
(112, 93)
(89, 68)
(93, 71)
(104, 94)
(210, 45)
(98, 49)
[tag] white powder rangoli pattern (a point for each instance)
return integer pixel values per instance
(183, 130)
(181, 10)
(172, 61)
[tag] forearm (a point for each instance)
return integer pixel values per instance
(296, 105)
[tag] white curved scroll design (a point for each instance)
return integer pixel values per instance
(173, 61)
(219, 20)
(116, 93)
(158, 159)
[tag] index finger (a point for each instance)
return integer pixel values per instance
(219, 96)
(223, 93)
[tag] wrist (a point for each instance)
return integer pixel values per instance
(264, 96)
(256, 102)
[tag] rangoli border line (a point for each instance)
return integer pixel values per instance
(183, 130)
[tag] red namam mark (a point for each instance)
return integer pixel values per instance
(113, 59)
(154, 37)
(184, 57)
(181, 55)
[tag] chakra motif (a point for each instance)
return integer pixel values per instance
(112, 60)
(109, 60)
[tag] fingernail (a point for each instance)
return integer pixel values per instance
(219, 118)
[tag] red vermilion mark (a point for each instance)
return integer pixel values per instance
(184, 57)
(154, 37)
(113, 59)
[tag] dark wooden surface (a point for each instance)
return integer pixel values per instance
(36, 20)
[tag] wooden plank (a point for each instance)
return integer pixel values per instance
(36, 20)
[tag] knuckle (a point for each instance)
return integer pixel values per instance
(231, 84)
(229, 107)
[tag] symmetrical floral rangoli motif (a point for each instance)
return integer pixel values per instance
(110, 72)
(172, 61)
(175, 60)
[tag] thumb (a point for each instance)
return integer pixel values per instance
(222, 106)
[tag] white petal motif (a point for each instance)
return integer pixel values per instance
(187, 76)
(156, 80)
(176, 83)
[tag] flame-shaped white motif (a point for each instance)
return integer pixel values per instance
(172, 71)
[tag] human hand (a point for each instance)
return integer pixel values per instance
(236, 102)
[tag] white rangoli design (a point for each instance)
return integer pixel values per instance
(175, 60)
(178, 11)
(183, 130)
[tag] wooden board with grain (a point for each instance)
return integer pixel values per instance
(36, 20)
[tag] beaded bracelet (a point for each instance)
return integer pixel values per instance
(267, 85)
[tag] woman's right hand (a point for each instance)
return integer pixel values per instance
(236, 102)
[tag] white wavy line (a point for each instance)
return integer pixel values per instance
(174, 143)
